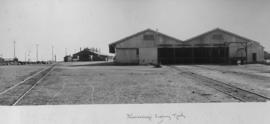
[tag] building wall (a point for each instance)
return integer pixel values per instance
(147, 49)
(235, 49)
(67, 59)
(127, 56)
(259, 50)
(87, 55)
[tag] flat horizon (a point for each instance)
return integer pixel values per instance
(74, 24)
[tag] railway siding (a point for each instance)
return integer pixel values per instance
(13, 94)
(231, 90)
(241, 73)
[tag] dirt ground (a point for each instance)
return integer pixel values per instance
(85, 83)
(12, 74)
(253, 77)
(97, 83)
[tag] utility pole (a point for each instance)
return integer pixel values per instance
(14, 43)
(52, 54)
(29, 52)
(25, 56)
(246, 50)
(37, 51)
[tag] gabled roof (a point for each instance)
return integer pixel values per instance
(141, 32)
(112, 45)
(87, 50)
(222, 30)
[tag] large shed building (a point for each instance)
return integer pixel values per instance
(140, 48)
(213, 47)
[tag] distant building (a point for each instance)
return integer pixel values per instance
(213, 47)
(9, 61)
(266, 55)
(1, 60)
(68, 58)
(86, 55)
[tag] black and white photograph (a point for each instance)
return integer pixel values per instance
(123, 58)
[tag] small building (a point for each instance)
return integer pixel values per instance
(267, 57)
(2, 61)
(9, 61)
(88, 55)
(68, 58)
(213, 47)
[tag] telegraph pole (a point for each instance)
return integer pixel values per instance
(246, 47)
(14, 43)
(29, 52)
(52, 54)
(37, 51)
(25, 56)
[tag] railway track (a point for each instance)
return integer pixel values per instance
(14, 94)
(231, 90)
(234, 72)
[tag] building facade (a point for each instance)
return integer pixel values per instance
(86, 55)
(140, 48)
(213, 47)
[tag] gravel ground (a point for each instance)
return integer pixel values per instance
(10, 75)
(254, 69)
(93, 83)
(229, 74)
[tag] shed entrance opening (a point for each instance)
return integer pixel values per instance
(254, 57)
(193, 55)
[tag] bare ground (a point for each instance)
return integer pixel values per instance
(96, 83)
(12, 74)
(251, 77)
(81, 83)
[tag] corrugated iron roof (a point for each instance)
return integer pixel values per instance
(141, 32)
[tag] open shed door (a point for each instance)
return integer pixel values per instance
(193, 55)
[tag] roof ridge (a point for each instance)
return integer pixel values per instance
(130, 36)
(148, 29)
(187, 40)
(223, 30)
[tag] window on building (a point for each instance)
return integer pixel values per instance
(217, 37)
(148, 37)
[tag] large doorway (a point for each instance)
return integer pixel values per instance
(193, 55)
(254, 57)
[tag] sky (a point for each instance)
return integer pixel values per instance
(75, 24)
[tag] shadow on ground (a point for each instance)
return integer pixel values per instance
(102, 64)
(116, 64)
